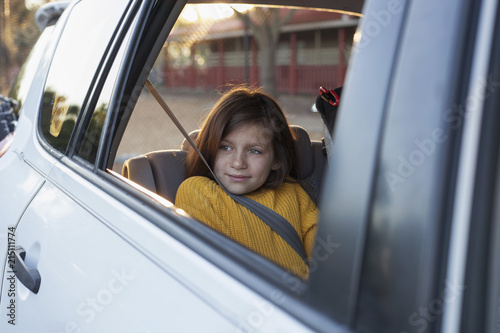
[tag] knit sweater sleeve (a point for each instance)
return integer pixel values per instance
(200, 197)
(309, 221)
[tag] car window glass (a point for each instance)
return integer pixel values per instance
(74, 65)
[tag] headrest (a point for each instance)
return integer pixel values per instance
(303, 148)
(305, 157)
(193, 135)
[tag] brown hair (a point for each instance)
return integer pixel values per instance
(238, 106)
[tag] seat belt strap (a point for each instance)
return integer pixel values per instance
(275, 221)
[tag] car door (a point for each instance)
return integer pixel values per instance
(94, 276)
(401, 184)
(87, 255)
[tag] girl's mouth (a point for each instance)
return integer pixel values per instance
(238, 178)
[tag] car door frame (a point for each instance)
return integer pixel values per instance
(368, 294)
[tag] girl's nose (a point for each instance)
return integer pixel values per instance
(238, 160)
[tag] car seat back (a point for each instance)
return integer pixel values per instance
(160, 171)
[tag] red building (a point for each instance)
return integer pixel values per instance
(313, 50)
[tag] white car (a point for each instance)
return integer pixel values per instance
(409, 229)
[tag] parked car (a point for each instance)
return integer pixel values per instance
(409, 232)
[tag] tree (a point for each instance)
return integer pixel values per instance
(266, 24)
(5, 58)
(18, 33)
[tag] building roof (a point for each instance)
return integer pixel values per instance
(232, 27)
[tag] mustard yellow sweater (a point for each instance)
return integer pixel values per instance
(206, 201)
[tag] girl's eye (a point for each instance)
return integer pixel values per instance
(225, 148)
(254, 151)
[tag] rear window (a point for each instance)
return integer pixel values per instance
(78, 56)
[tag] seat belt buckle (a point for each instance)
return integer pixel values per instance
(329, 96)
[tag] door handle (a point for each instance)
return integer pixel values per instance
(29, 277)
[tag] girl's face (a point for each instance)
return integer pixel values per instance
(245, 158)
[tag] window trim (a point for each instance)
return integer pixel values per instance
(133, 76)
(480, 299)
(59, 31)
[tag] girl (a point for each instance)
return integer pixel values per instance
(248, 144)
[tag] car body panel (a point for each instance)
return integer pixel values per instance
(77, 292)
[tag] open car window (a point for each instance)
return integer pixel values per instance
(289, 52)
(210, 49)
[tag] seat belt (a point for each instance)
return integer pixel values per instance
(275, 221)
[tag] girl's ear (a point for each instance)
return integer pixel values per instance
(276, 165)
